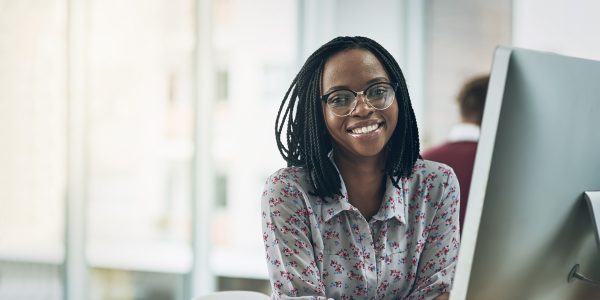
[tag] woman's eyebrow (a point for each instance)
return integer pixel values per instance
(340, 87)
(378, 79)
(335, 88)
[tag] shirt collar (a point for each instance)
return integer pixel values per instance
(391, 206)
(464, 132)
(332, 207)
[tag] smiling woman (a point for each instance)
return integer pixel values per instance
(357, 214)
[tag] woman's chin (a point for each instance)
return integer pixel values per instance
(361, 148)
(369, 151)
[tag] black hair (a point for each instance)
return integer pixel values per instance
(308, 147)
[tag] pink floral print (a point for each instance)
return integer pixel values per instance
(325, 249)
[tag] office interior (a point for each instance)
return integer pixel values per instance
(137, 135)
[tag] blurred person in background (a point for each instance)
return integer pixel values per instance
(460, 149)
(356, 215)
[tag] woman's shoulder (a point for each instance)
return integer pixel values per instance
(288, 187)
(427, 172)
(430, 185)
(291, 175)
(291, 178)
(432, 165)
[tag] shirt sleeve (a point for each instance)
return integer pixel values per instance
(435, 273)
(286, 228)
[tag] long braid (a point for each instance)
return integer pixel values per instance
(307, 146)
(318, 154)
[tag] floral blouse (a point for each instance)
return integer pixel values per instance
(319, 250)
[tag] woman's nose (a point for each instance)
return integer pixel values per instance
(362, 106)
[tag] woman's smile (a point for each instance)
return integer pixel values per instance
(366, 130)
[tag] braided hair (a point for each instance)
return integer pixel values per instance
(301, 110)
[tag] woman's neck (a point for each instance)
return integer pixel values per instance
(364, 180)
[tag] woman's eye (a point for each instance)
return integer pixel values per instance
(378, 91)
(339, 99)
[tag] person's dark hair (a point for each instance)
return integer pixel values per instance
(471, 98)
(308, 147)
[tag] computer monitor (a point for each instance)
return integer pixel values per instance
(527, 223)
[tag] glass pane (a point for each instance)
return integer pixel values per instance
(244, 284)
(32, 130)
(31, 281)
(140, 134)
(254, 43)
(111, 284)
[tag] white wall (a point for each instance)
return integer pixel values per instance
(565, 27)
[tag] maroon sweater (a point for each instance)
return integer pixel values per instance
(461, 157)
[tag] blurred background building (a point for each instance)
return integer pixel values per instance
(136, 136)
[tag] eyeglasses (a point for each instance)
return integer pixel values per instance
(378, 96)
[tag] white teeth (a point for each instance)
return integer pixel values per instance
(367, 129)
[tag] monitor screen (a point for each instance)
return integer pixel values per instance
(527, 223)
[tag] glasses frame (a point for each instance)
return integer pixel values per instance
(394, 86)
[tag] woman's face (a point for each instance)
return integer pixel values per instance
(356, 70)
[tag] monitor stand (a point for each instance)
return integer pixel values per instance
(593, 201)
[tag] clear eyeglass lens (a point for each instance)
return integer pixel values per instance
(341, 102)
(380, 96)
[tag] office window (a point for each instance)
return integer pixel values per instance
(256, 40)
(244, 284)
(222, 79)
(140, 142)
(276, 82)
(31, 281)
(221, 191)
(112, 284)
(32, 152)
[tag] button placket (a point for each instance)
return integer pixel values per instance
(366, 242)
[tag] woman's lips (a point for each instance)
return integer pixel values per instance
(365, 123)
(367, 136)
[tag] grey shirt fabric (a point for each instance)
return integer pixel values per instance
(325, 249)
